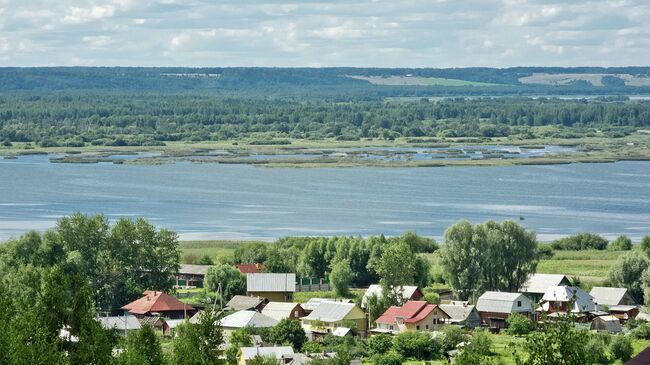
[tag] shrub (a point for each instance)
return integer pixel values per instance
(379, 344)
(581, 241)
(642, 331)
(419, 345)
(621, 348)
(595, 349)
(288, 331)
(432, 298)
(622, 243)
(481, 343)
(545, 252)
(389, 358)
(452, 336)
(311, 347)
(519, 325)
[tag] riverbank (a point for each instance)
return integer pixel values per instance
(402, 152)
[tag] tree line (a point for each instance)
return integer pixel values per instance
(121, 118)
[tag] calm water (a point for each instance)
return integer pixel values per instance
(204, 201)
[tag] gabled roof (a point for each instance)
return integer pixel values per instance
(242, 302)
(331, 311)
(188, 269)
(412, 311)
(408, 292)
(249, 268)
(280, 310)
(268, 282)
(583, 302)
(608, 296)
(502, 302)
(538, 283)
(120, 323)
(278, 352)
(611, 323)
(341, 331)
(244, 318)
(458, 313)
(156, 301)
(312, 303)
(152, 321)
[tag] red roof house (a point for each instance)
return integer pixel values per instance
(414, 315)
(249, 268)
(157, 303)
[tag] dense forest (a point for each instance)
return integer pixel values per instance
(77, 119)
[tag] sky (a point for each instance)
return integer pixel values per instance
(363, 33)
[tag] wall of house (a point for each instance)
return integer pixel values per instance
(494, 320)
(273, 296)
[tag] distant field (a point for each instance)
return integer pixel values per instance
(191, 250)
(417, 81)
(594, 79)
(592, 266)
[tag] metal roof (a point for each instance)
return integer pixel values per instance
(312, 303)
(583, 302)
(375, 289)
(244, 318)
(279, 310)
(278, 352)
(538, 283)
(457, 312)
(608, 296)
(119, 322)
(609, 323)
(341, 331)
(268, 282)
(331, 311)
(188, 269)
(503, 302)
(242, 302)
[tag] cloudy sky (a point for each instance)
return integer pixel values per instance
(391, 33)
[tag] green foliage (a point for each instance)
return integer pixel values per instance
(198, 344)
(596, 350)
(231, 280)
(556, 342)
(621, 348)
(142, 347)
(477, 352)
(388, 358)
(341, 277)
(432, 297)
(519, 325)
(621, 243)
(312, 347)
(581, 241)
(627, 273)
(545, 252)
(452, 336)
(488, 256)
(288, 332)
(396, 268)
(263, 360)
(642, 331)
(416, 344)
(645, 245)
(379, 344)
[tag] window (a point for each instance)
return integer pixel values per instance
(417, 328)
(427, 326)
(519, 303)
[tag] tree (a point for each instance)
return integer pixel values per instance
(142, 346)
(621, 243)
(231, 280)
(621, 348)
(452, 336)
(288, 332)
(397, 269)
(519, 325)
(379, 344)
(556, 342)
(645, 245)
(627, 273)
(419, 345)
(580, 241)
(198, 344)
(488, 256)
(341, 277)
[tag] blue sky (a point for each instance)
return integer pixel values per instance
(376, 33)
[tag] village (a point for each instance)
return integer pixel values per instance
(270, 299)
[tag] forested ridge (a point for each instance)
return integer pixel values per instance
(148, 118)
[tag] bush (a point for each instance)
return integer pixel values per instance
(481, 343)
(621, 243)
(452, 336)
(418, 345)
(432, 298)
(519, 325)
(642, 331)
(389, 358)
(379, 344)
(621, 348)
(581, 241)
(311, 347)
(595, 349)
(545, 252)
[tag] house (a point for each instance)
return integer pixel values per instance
(242, 319)
(121, 324)
(275, 287)
(191, 275)
(249, 268)
(157, 303)
(495, 307)
(242, 302)
(606, 323)
(412, 316)
(283, 354)
(280, 310)
(312, 303)
(565, 299)
(604, 296)
(537, 284)
(158, 324)
(406, 292)
(331, 315)
(462, 314)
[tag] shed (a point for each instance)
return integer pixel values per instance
(280, 310)
(605, 296)
(275, 287)
(157, 323)
(462, 314)
(191, 275)
(606, 323)
(242, 302)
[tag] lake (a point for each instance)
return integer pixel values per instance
(214, 201)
